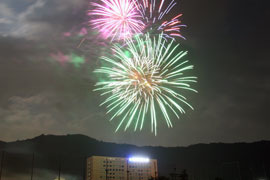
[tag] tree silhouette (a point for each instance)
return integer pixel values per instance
(159, 178)
(184, 175)
(218, 178)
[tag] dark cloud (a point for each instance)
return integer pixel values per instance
(46, 73)
(39, 19)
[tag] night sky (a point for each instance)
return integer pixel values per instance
(47, 79)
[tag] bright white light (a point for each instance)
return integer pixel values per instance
(139, 159)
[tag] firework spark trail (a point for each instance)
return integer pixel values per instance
(146, 75)
(116, 19)
(153, 13)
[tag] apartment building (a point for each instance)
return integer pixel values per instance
(119, 168)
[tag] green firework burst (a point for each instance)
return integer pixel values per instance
(144, 77)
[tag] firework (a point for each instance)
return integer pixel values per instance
(143, 77)
(116, 19)
(153, 12)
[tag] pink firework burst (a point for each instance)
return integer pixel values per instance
(154, 12)
(116, 19)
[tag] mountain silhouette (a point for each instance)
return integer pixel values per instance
(244, 161)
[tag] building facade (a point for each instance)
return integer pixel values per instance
(118, 168)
